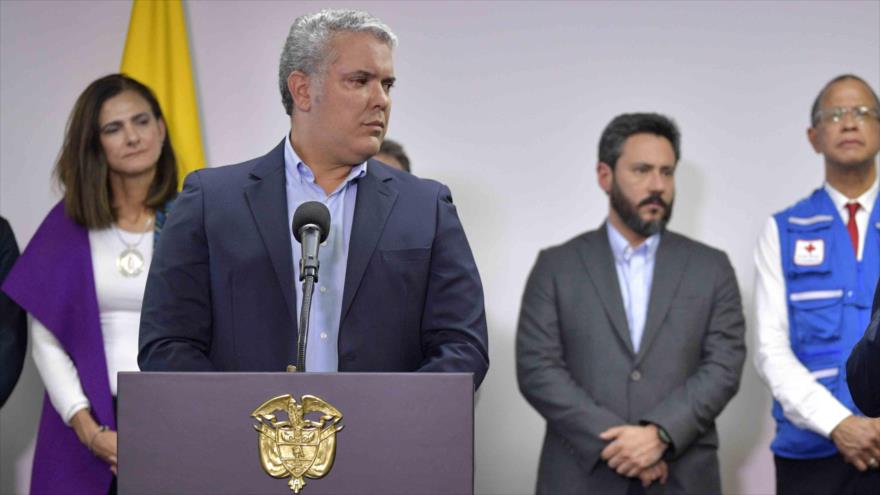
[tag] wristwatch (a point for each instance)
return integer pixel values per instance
(664, 436)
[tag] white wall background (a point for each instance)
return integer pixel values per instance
(504, 102)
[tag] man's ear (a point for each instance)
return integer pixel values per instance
(813, 136)
(299, 84)
(605, 176)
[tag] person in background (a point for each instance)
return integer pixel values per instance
(13, 320)
(630, 339)
(82, 277)
(392, 153)
(863, 365)
(817, 265)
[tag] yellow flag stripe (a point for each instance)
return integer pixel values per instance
(157, 54)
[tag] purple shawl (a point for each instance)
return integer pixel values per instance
(53, 280)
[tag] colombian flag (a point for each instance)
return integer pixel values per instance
(157, 54)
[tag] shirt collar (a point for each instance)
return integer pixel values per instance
(623, 251)
(866, 200)
(298, 170)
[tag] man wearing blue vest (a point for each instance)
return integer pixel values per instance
(817, 266)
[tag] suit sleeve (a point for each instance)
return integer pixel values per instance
(544, 378)
(863, 366)
(453, 327)
(176, 318)
(690, 410)
(13, 320)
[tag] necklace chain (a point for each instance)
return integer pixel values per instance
(132, 245)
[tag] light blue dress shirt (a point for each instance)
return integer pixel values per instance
(635, 273)
(322, 352)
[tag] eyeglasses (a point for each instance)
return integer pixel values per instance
(835, 115)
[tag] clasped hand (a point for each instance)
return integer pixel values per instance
(858, 440)
(102, 443)
(635, 451)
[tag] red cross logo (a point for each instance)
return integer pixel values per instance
(810, 248)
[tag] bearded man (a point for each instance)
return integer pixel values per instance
(630, 337)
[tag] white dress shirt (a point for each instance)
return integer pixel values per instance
(805, 402)
(635, 275)
(119, 306)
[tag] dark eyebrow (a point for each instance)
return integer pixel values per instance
(649, 164)
(361, 73)
(370, 75)
(133, 117)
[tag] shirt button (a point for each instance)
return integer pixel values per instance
(323, 289)
(323, 335)
(849, 294)
(636, 375)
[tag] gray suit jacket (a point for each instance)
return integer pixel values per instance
(576, 365)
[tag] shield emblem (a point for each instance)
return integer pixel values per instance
(298, 450)
(298, 447)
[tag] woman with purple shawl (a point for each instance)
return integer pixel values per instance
(82, 277)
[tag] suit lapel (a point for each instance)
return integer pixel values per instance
(374, 201)
(668, 270)
(596, 255)
(267, 199)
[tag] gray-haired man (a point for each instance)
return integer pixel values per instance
(398, 287)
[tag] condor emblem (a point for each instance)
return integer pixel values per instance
(297, 447)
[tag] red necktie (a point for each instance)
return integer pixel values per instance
(851, 226)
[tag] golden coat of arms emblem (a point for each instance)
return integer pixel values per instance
(301, 446)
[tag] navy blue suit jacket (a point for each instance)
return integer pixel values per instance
(13, 319)
(220, 293)
(863, 366)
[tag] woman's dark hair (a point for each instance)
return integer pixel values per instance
(82, 170)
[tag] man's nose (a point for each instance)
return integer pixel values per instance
(657, 182)
(380, 96)
(848, 120)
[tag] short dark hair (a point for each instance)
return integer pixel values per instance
(82, 170)
(625, 125)
(814, 111)
(395, 149)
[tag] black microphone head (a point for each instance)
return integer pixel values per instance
(313, 212)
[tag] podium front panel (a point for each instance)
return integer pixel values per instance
(403, 433)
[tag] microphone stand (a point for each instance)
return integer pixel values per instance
(303, 339)
(308, 275)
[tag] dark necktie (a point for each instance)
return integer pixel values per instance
(851, 226)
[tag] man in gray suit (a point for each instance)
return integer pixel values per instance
(630, 337)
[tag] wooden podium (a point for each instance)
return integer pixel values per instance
(401, 433)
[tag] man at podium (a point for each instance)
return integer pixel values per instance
(398, 289)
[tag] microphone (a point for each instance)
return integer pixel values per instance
(311, 225)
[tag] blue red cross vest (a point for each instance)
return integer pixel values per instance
(829, 295)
